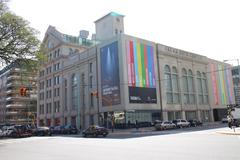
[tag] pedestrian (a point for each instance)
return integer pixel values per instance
(136, 124)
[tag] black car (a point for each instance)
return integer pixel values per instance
(95, 131)
(69, 129)
(195, 123)
(42, 131)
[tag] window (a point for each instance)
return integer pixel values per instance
(65, 95)
(74, 92)
(91, 81)
(58, 91)
(49, 107)
(41, 109)
(91, 100)
(55, 54)
(41, 85)
(41, 73)
(56, 80)
(57, 106)
(58, 52)
(205, 90)
(171, 84)
(90, 67)
(49, 70)
(187, 87)
(49, 82)
(41, 96)
(116, 31)
(202, 88)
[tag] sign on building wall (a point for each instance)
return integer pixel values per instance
(222, 84)
(110, 82)
(141, 72)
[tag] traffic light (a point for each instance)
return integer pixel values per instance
(23, 91)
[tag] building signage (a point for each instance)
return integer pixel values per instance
(110, 83)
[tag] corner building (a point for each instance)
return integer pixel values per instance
(119, 79)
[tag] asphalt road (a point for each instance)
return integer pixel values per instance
(175, 145)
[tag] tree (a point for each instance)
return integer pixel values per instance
(17, 39)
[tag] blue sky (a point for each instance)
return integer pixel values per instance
(206, 27)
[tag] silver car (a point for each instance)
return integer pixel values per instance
(165, 125)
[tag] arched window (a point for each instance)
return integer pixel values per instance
(185, 86)
(175, 85)
(171, 84)
(74, 91)
(191, 87)
(205, 90)
(168, 83)
(199, 87)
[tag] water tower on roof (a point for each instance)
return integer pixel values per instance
(109, 26)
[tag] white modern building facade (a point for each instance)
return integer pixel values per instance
(116, 79)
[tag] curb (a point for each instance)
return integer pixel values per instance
(228, 133)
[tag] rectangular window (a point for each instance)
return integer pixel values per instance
(65, 100)
(91, 100)
(54, 92)
(58, 91)
(90, 67)
(91, 80)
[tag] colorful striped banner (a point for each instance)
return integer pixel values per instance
(222, 84)
(214, 84)
(140, 59)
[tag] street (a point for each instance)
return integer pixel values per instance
(173, 144)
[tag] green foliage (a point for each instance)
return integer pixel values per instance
(17, 39)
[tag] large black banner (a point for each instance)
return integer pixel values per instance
(110, 75)
(142, 95)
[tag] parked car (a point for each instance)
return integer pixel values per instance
(69, 129)
(58, 130)
(165, 125)
(180, 123)
(95, 131)
(1, 133)
(156, 122)
(42, 131)
(17, 131)
(225, 120)
(195, 123)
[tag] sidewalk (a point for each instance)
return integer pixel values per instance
(132, 130)
(229, 131)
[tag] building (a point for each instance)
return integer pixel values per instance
(236, 83)
(119, 79)
(15, 108)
